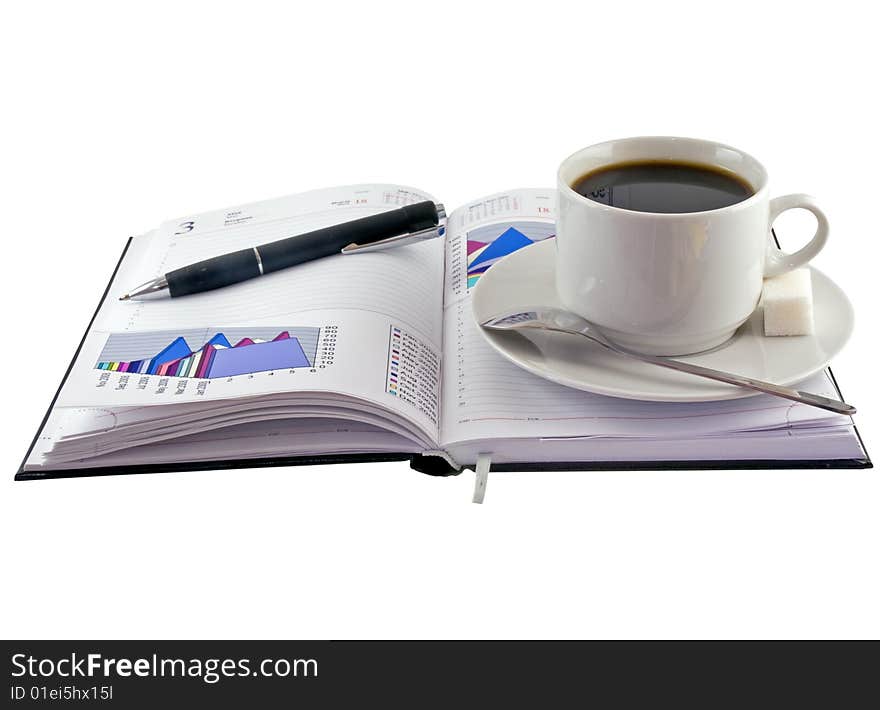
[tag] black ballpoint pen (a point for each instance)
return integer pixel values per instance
(404, 225)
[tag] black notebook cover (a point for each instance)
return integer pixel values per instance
(431, 465)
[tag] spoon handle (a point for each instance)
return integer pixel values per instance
(814, 400)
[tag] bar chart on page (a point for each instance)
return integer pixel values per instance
(209, 353)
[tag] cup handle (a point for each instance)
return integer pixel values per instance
(777, 261)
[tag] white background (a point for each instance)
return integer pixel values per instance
(117, 116)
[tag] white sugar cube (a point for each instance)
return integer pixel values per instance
(788, 304)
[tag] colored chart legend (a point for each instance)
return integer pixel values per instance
(413, 372)
(488, 245)
(394, 360)
(209, 353)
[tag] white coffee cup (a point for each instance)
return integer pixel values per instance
(664, 283)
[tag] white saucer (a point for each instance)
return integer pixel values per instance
(527, 278)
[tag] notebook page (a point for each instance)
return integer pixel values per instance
(486, 397)
(367, 325)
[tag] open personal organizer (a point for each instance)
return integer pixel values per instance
(371, 356)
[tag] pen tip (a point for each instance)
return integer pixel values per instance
(124, 297)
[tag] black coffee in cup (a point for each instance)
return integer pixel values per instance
(663, 186)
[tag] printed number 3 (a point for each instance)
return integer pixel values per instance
(186, 227)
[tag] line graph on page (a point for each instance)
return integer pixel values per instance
(206, 354)
(489, 244)
(212, 353)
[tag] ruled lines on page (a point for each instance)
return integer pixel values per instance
(492, 398)
(402, 283)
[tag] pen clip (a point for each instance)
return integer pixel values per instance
(402, 239)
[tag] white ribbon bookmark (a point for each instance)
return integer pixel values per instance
(481, 478)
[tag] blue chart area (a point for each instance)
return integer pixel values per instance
(210, 353)
(488, 245)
